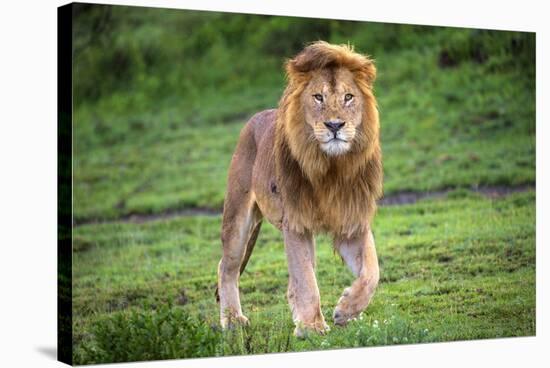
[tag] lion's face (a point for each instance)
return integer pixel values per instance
(333, 106)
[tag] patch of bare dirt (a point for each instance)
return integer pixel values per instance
(394, 199)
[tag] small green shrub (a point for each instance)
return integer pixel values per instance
(166, 333)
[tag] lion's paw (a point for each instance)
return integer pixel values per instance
(345, 310)
(231, 321)
(341, 318)
(303, 329)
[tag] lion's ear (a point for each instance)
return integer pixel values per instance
(294, 70)
(368, 71)
(303, 62)
(290, 67)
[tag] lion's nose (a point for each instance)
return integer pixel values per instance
(334, 125)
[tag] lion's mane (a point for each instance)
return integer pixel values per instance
(321, 193)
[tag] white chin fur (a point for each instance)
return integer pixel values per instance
(335, 147)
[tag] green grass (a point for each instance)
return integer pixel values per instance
(429, 141)
(160, 97)
(451, 269)
(161, 137)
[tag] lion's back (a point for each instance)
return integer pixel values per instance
(264, 185)
(262, 125)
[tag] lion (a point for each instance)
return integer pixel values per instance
(313, 165)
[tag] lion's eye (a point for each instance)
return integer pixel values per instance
(318, 97)
(348, 97)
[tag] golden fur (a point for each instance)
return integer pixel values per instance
(311, 182)
(283, 171)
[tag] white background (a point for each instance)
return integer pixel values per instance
(28, 179)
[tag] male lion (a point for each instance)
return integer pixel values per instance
(312, 165)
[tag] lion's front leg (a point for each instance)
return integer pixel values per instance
(359, 254)
(303, 293)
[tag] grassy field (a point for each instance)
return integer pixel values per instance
(158, 110)
(445, 124)
(452, 269)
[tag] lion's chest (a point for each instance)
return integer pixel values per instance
(336, 209)
(339, 210)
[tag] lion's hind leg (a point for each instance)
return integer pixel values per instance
(359, 253)
(248, 252)
(240, 228)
